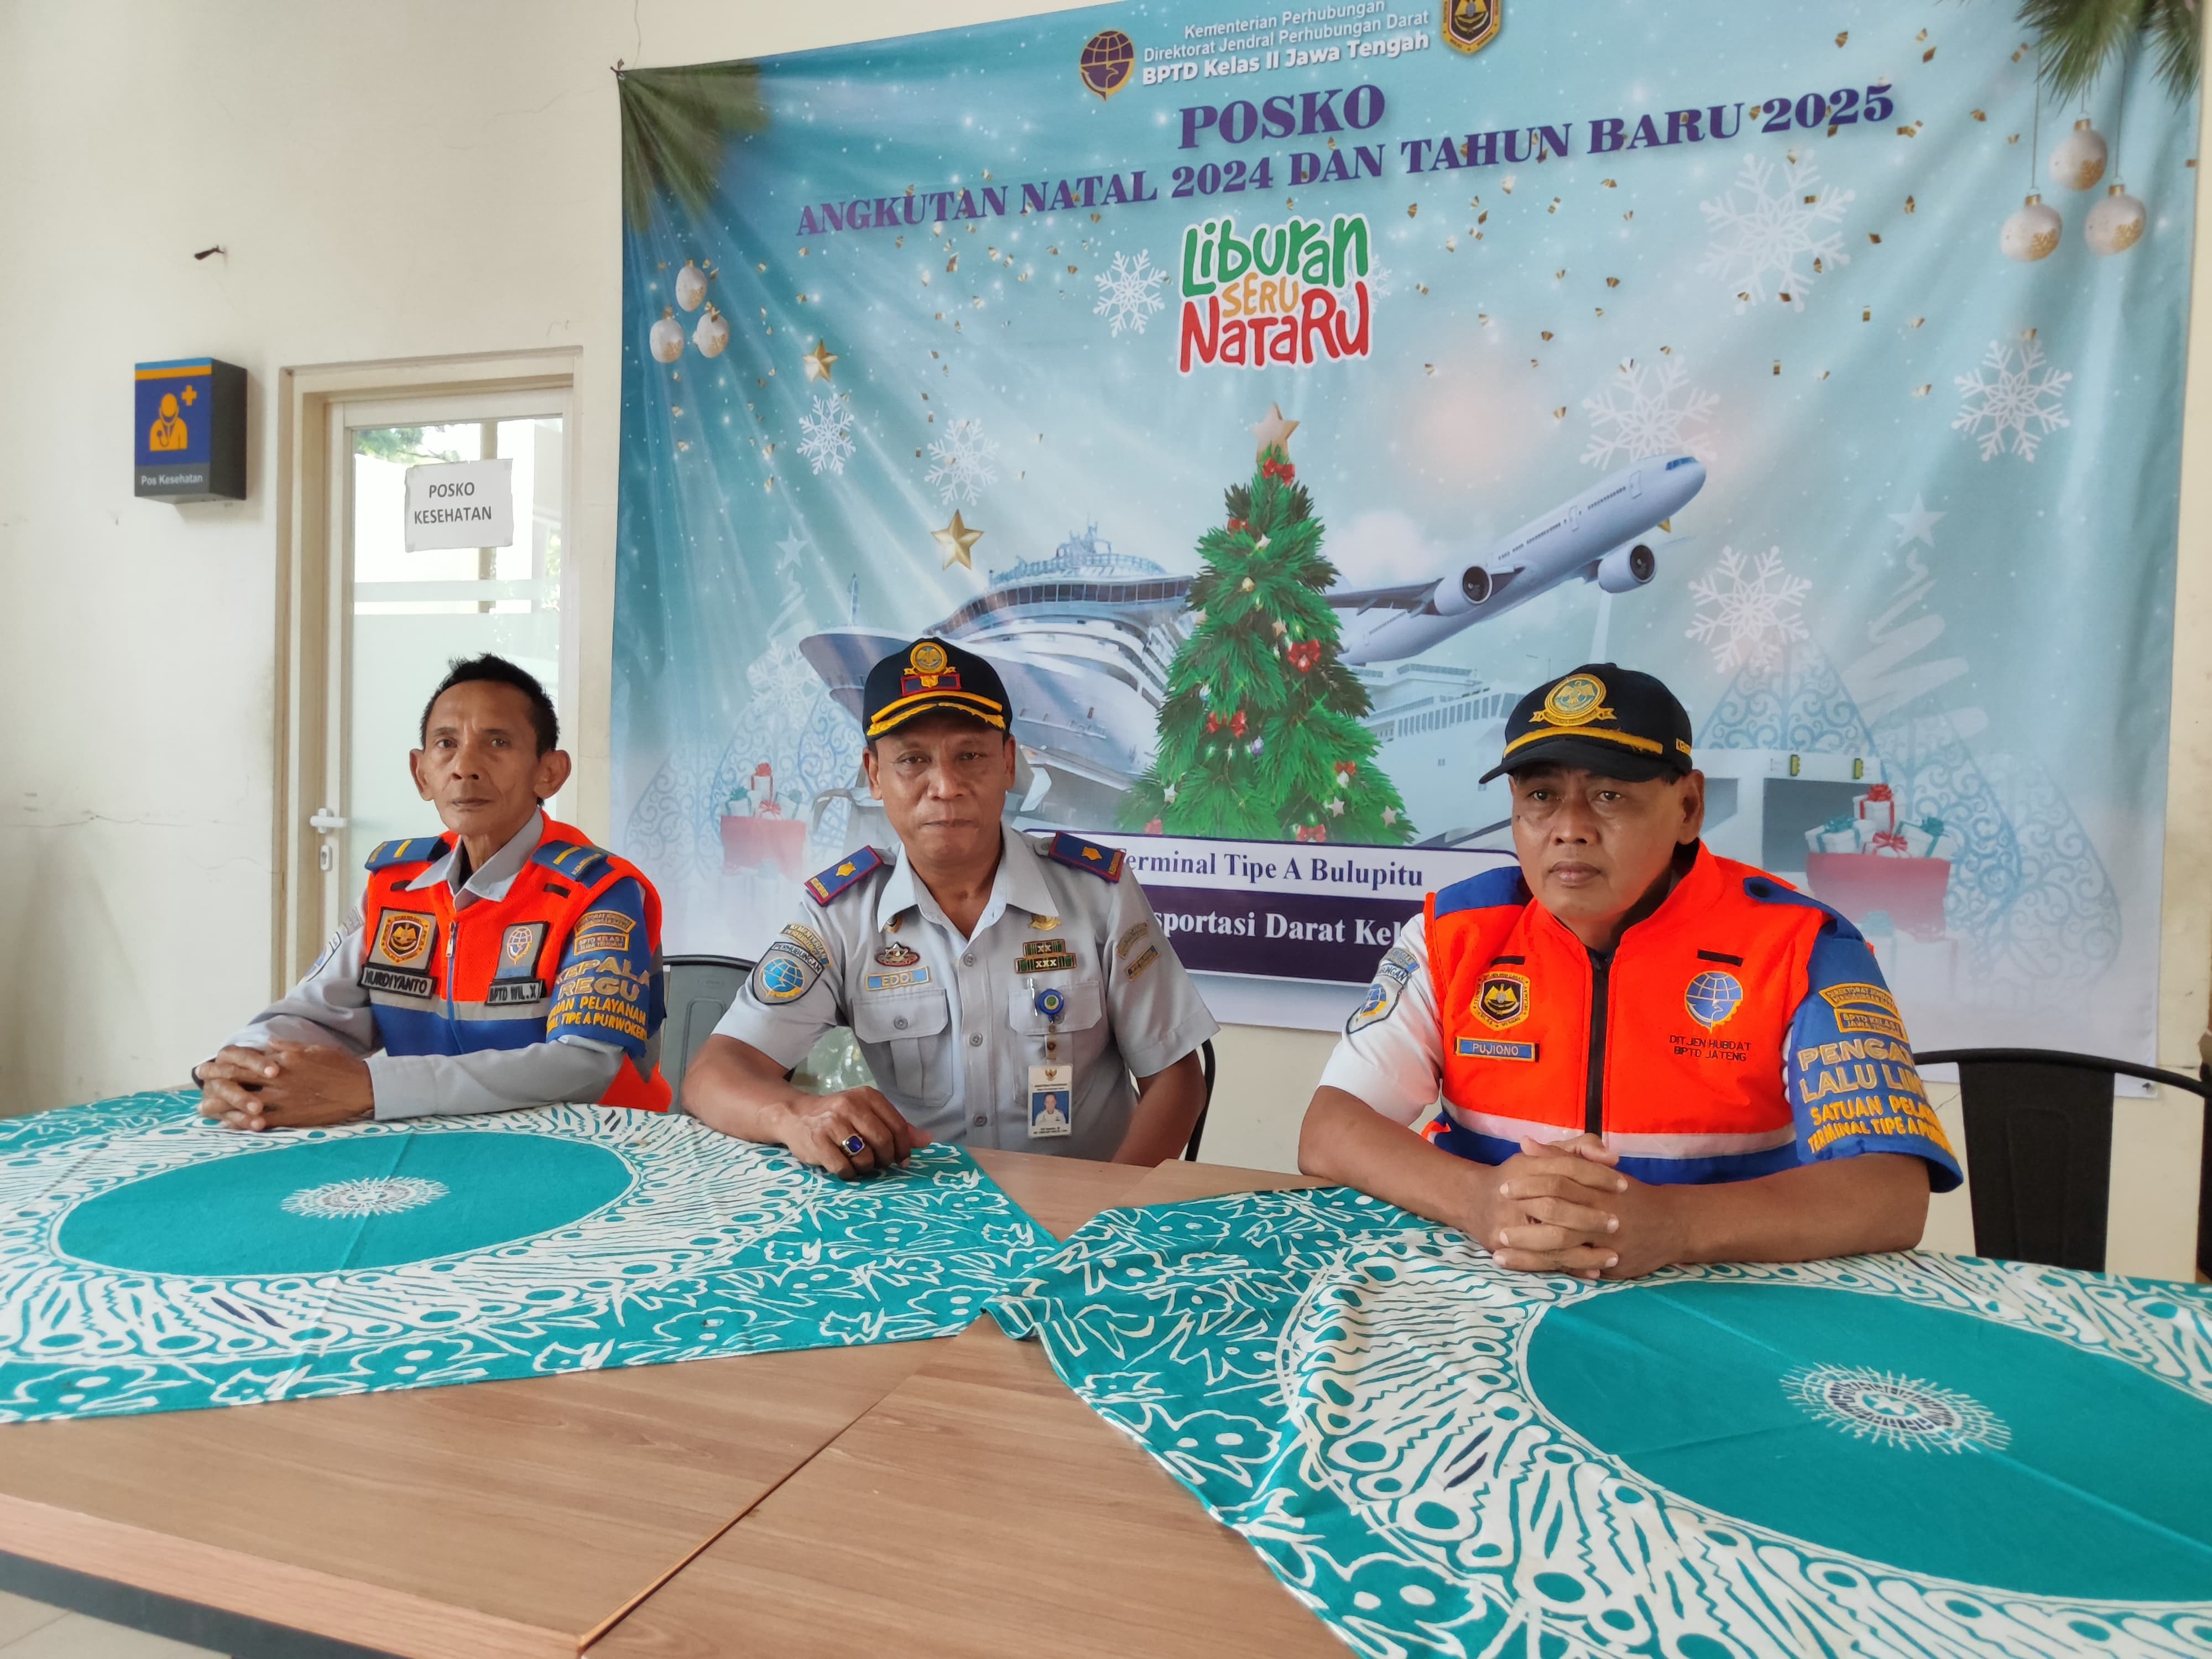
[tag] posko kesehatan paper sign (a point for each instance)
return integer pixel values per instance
(1272, 397)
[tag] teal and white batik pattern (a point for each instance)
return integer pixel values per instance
(153, 1262)
(1906, 1454)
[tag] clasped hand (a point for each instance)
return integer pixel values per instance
(287, 1085)
(1563, 1208)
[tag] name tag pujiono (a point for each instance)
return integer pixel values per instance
(1482, 1048)
(402, 982)
(505, 991)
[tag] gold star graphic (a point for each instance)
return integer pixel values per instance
(1272, 431)
(817, 362)
(955, 538)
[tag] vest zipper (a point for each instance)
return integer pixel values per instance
(1594, 1083)
(452, 936)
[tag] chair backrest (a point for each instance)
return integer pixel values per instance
(2039, 1149)
(1198, 1129)
(700, 990)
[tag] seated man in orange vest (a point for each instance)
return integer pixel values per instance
(1646, 1054)
(508, 963)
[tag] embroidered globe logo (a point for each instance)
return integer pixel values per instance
(1895, 1410)
(1712, 997)
(375, 1196)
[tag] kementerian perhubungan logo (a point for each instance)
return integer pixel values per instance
(1294, 293)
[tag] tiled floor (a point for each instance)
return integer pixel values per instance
(32, 1630)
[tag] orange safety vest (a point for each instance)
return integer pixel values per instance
(559, 953)
(1739, 1028)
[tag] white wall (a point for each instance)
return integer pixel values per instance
(420, 178)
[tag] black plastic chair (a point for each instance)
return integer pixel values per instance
(700, 990)
(2040, 1149)
(1198, 1129)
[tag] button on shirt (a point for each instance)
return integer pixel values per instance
(330, 1010)
(950, 1025)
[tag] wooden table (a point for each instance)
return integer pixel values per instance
(510, 1518)
(981, 1509)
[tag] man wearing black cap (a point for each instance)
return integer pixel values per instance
(1643, 1053)
(1002, 989)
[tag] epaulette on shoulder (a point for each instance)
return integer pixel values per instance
(415, 849)
(848, 872)
(1490, 890)
(1104, 862)
(576, 859)
(1764, 889)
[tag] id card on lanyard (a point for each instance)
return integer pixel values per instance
(1052, 1085)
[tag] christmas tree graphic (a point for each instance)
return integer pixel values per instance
(1259, 737)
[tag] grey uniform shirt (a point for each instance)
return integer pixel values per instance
(950, 1027)
(330, 1009)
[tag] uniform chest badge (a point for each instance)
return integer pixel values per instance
(1502, 999)
(896, 955)
(1044, 924)
(1713, 997)
(520, 943)
(404, 937)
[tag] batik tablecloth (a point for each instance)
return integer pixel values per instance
(1908, 1453)
(152, 1261)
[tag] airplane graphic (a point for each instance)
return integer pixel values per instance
(1083, 640)
(1595, 536)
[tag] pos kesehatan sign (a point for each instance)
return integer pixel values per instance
(460, 504)
(1273, 395)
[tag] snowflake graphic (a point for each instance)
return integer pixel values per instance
(783, 686)
(1756, 606)
(1129, 294)
(2018, 400)
(1382, 280)
(827, 437)
(1769, 224)
(367, 1195)
(1644, 412)
(962, 457)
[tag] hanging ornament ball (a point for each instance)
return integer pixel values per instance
(712, 334)
(2077, 164)
(691, 281)
(2116, 224)
(667, 335)
(2032, 233)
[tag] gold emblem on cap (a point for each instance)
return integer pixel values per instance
(928, 658)
(1577, 700)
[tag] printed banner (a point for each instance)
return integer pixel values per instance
(1274, 397)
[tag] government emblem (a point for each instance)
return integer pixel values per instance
(1108, 59)
(1471, 25)
(896, 955)
(1502, 999)
(1575, 701)
(404, 937)
(1713, 998)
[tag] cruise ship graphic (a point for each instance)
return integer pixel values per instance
(1083, 639)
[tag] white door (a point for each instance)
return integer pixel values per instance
(399, 619)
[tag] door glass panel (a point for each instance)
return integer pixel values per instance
(414, 613)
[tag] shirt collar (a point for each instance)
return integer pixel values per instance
(1019, 882)
(498, 871)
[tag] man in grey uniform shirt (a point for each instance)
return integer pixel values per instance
(1002, 989)
(506, 964)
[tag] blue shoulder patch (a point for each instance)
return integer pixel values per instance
(573, 858)
(1492, 889)
(848, 870)
(1104, 862)
(415, 849)
(1773, 892)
